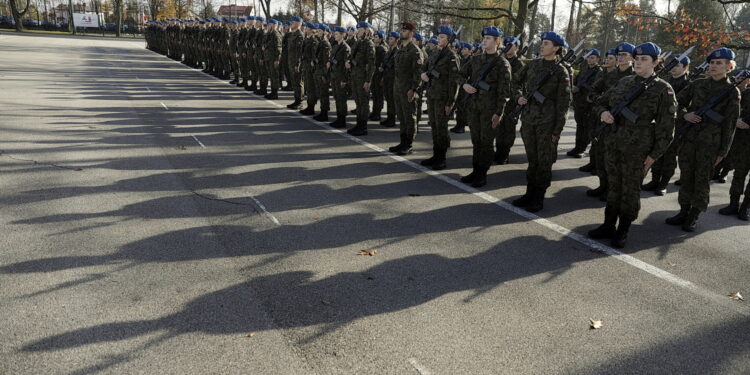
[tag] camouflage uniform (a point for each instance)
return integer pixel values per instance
(584, 114)
(339, 55)
(408, 69)
(322, 55)
(362, 69)
(506, 134)
(262, 75)
(271, 55)
(739, 157)
(442, 68)
(377, 82)
(295, 43)
(389, 76)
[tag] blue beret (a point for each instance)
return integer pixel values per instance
(418, 36)
(433, 41)
(555, 38)
(325, 28)
(287, 22)
(259, 18)
(512, 40)
(721, 53)
(243, 19)
(595, 52)
(685, 61)
(611, 52)
(350, 29)
(271, 20)
(625, 47)
(296, 19)
(224, 19)
(380, 34)
(649, 49)
(394, 34)
(364, 25)
(340, 29)
(492, 31)
(197, 19)
(477, 45)
(447, 30)
(466, 45)
(251, 18)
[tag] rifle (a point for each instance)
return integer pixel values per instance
(581, 59)
(534, 92)
(698, 70)
(433, 73)
(707, 109)
(622, 108)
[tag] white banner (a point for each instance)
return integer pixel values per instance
(85, 20)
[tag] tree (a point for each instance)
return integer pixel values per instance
(154, 7)
(118, 5)
(15, 8)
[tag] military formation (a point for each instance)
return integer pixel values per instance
(636, 111)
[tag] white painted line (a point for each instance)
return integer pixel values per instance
(164, 105)
(199, 142)
(263, 208)
(718, 298)
(421, 369)
(148, 89)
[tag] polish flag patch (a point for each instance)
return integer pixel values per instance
(670, 93)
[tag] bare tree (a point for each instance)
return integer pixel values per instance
(154, 7)
(15, 8)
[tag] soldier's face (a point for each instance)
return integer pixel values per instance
(338, 35)
(547, 48)
(592, 60)
(513, 50)
(361, 32)
(719, 67)
(610, 61)
(465, 52)
(405, 34)
(644, 65)
(489, 42)
(392, 41)
(442, 40)
(624, 58)
(678, 70)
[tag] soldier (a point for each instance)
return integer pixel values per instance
(608, 66)
(664, 167)
(389, 75)
(284, 68)
(322, 55)
(338, 75)
(608, 80)
(234, 50)
(362, 66)
(243, 53)
(377, 78)
(542, 122)
(584, 115)
(506, 134)
(272, 57)
(419, 42)
(487, 80)
(739, 157)
(407, 65)
(441, 74)
(705, 140)
(295, 40)
(309, 47)
(261, 75)
(634, 146)
(461, 115)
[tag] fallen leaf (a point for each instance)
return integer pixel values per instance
(367, 252)
(251, 334)
(78, 169)
(92, 127)
(415, 195)
(326, 302)
(316, 218)
(370, 278)
(181, 148)
(736, 296)
(595, 324)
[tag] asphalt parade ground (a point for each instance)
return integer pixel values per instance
(157, 220)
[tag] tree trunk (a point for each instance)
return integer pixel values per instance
(18, 15)
(338, 13)
(520, 20)
(532, 28)
(569, 31)
(118, 15)
(552, 19)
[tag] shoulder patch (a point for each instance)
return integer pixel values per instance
(670, 92)
(567, 79)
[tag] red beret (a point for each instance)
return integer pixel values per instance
(408, 26)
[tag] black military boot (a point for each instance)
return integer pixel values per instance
(575, 153)
(273, 95)
(253, 87)
(501, 157)
(525, 199)
(431, 160)
(232, 82)
(322, 116)
(469, 178)
(733, 208)
(744, 210)
(458, 129)
(678, 182)
(406, 148)
(263, 91)
(621, 236)
(587, 168)
(537, 200)
(598, 192)
(340, 122)
(606, 230)
(309, 111)
(691, 221)
(359, 130)
(439, 163)
(481, 177)
(295, 104)
(651, 186)
(678, 219)
(661, 187)
(353, 111)
(722, 178)
(389, 122)
(398, 147)
(374, 116)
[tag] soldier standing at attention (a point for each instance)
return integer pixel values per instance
(234, 50)
(706, 140)
(461, 116)
(739, 157)
(609, 65)
(251, 59)
(441, 74)
(284, 68)
(362, 66)
(584, 114)
(506, 135)
(338, 75)
(419, 42)
(294, 57)
(377, 78)
(322, 56)
(389, 75)
(609, 80)
(309, 47)
(408, 69)
(487, 79)
(272, 57)
(634, 146)
(664, 167)
(260, 37)
(542, 123)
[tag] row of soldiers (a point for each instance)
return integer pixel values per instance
(622, 106)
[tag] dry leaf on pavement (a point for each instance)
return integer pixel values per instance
(367, 252)
(736, 296)
(595, 324)
(251, 334)
(326, 302)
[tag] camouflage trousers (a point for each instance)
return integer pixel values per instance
(361, 97)
(541, 153)
(696, 162)
(441, 139)
(584, 117)
(340, 96)
(482, 134)
(405, 111)
(388, 94)
(506, 135)
(310, 87)
(321, 84)
(295, 80)
(665, 166)
(625, 175)
(739, 157)
(376, 90)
